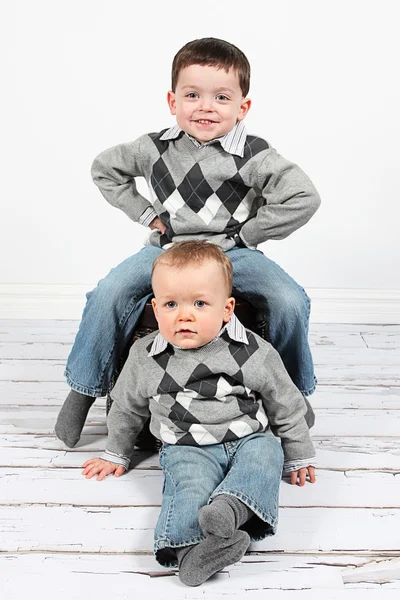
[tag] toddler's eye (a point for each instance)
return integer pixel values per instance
(199, 303)
(171, 304)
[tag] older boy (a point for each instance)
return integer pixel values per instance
(208, 179)
(217, 393)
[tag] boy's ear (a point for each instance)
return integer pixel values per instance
(155, 309)
(171, 102)
(228, 309)
(244, 108)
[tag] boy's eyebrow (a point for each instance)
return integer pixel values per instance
(218, 89)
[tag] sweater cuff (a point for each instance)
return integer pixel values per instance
(147, 216)
(295, 465)
(118, 459)
(246, 243)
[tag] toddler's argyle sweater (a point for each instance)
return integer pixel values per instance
(217, 393)
(206, 192)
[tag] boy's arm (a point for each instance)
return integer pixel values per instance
(290, 201)
(285, 408)
(114, 172)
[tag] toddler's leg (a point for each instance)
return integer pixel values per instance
(285, 306)
(223, 516)
(198, 563)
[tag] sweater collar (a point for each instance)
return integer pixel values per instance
(232, 142)
(233, 328)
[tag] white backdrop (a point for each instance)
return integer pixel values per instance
(82, 75)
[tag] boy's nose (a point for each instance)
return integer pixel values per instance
(185, 314)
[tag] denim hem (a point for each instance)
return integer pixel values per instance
(310, 390)
(164, 543)
(94, 393)
(262, 515)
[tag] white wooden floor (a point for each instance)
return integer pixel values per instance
(64, 537)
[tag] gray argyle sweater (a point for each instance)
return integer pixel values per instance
(232, 387)
(248, 195)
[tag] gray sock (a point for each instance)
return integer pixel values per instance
(223, 516)
(198, 563)
(72, 417)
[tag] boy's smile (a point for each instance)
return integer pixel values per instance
(207, 101)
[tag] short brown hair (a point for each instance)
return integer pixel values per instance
(196, 252)
(212, 52)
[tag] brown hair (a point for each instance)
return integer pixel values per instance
(196, 252)
(212, 52)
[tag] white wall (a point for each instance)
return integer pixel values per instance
(82, 75)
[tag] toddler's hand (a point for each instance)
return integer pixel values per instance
(102, 468)
(158, 224)
(299, 477)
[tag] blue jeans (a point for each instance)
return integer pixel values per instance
(114, 307)
(249, 469)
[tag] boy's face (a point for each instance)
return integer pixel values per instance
(191, 304)
(207, 101)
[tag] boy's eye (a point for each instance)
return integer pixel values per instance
(199, 303)
(191, 95)
(170, 304)
(222, 97)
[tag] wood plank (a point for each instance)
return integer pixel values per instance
(271, 572)
(328, 373)
(50, 393)
(36, 393)
(130, 529)
(329, 422)
(342, 453)
(143, 488)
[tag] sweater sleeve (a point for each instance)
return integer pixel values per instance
(114, 172)
(290, 200)
(285, 408)
(128, 413)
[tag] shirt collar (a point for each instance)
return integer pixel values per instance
(233, 328)
(232, 142)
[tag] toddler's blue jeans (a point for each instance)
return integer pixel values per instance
(249, 469)
(114, 306)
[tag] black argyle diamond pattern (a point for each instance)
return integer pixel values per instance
(168, 385)
(161, 181)
(195, 189)
(242, 352)
(162, 358)
(232, 192)
(182, 416)
(161, 146)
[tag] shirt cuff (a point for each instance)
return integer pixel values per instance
(118, 459)
(147, 216)
(295, 465)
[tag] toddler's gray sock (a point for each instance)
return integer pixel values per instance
(198, 563)
(72, 417)
(224, 515)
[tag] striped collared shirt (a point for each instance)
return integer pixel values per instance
(232, 142)
(234, 329)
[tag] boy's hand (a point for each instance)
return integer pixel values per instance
(102, 468)
(158, 224)
(299, 477)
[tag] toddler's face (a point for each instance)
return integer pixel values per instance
(207, 101)
(191, 304)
